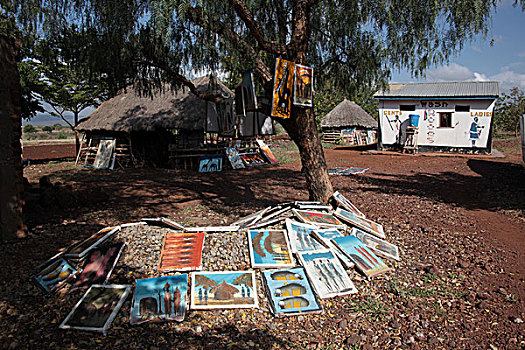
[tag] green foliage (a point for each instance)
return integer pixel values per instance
(371, 307)
(509, 107)
(47, 128)
(29, 128)
(61, 135)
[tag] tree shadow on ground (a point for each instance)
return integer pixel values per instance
(499, 186)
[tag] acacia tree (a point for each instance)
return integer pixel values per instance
(509, 108)
(352, 43)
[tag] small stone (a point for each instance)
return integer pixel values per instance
(250, 344)
(198, 329)
(367, 347)
(343, 324)
(420, 336)
(433, 341)
(300, 318)
(518, 320)
(369, 332)
(353, 339)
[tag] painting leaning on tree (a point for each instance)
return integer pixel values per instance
(350, 45)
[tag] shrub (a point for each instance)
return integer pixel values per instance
(29, 128)
(61, 135)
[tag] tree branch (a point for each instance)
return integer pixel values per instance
(244, 13)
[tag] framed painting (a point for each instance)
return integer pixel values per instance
(304, 86)
(347, 171)
(233, 157)
(226, 118)
(328, 276)
(252, 159)
(232, 228)
(282, 89)
(99, 265)
(363, 257)
(360, 222)
(318, 218)
(252, 218)
(210, 163)
(346, 204)
(248, 91)
(80, 250)
(55, 275)
(223, 290)
(181, 251)
(159, 299)
(212, 120)
(269, 248)
(97, 308)
(247, 125)
(325, 236)
(240, 110)
(379, 246)
(266, 151)
(300, 235)
(290, 293)
(104, 152)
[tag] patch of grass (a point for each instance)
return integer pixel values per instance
(429, 277)
(286, 152)
(372, 308)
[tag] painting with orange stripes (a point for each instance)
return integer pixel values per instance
(364, 258)
(181, 251)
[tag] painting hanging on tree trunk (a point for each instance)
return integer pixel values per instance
(282, 88)
(303, 87)
(248, 91)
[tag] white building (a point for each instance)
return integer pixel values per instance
(453, 116)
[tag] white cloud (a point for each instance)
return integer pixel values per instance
(455, 72)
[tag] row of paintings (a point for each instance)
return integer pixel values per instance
(290, 76)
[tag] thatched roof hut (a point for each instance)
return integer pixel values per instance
(348, 114)
(224, 291)
(179, 109)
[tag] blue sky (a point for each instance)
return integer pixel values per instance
(503, 62)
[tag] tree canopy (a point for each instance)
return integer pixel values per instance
(509, 107)
(350, 44)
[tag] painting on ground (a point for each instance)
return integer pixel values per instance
(181, 251)
(266, 151)
(233, 157)
(104, 152)
(282, 90)
(361, 223)
(252, 159)
(80, 250)
(379, 246)
(303, 87)
(269, 248)
(99, 265)
(290, 292)
(301, 239)
(346, 204)
(318, 218)
(97, 308)
(55, 275)
(248, 91)
(159, 299)
(223, 290)
(328, 276)
(363, 257)
(325, 236)
(210, 163)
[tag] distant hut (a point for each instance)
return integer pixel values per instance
(349, 125)
(146, 127)
(224, 291)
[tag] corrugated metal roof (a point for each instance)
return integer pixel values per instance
(442, 89)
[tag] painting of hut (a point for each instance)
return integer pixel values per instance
(349, 125)
(224, 291)
(158, 130)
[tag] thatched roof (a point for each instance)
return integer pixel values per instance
(128, 111)
(348, 114)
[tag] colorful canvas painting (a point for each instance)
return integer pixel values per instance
(99, 264)
(97, 308)
(325, 236)
(223, 290)
(226, 118)
(363, 257)
(252, 159)
(55, 275)
(290, 292)
(210, 163)
(104, 152)
(360, 222)
(266, 151)
(233, 157)
(159, 299)
(181, 251)
(346, 204)
(328, 276)
(318, 218)
(80, 250)
(301, 236)
(344, 171)
(248, 91)
(303, 87)
(282, 90)
(269, 248)
(379, 246)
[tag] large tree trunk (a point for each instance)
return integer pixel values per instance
(302, 129)
(11, 173)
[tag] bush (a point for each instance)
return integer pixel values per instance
(29, 128)
(61, 135)
(48, 128)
